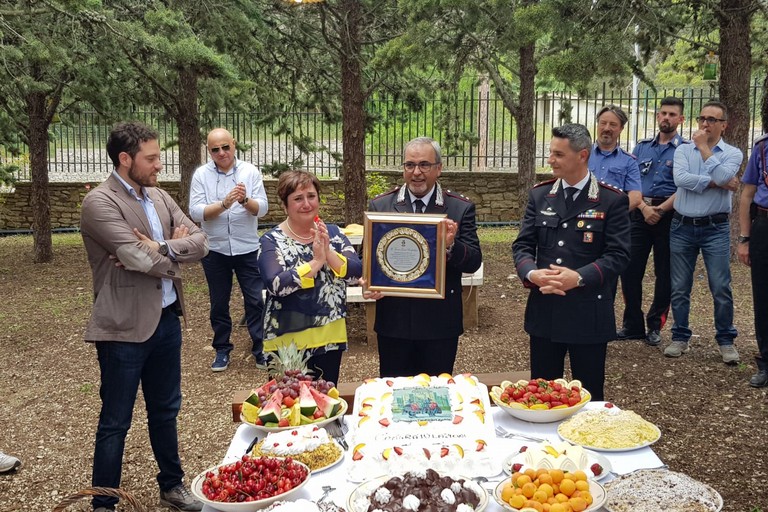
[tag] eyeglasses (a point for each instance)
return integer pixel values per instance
(225, 147)
(709, 120)
(423, 166)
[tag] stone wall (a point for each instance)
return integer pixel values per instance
(494, 193)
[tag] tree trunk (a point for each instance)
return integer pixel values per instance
(734, 18)
(352, 114)
(37, 140)
(764, 105)
(188, 120)
(526, 136)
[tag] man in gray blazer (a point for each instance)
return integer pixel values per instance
(136, 237)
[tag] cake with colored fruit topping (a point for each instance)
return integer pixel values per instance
(405, 424)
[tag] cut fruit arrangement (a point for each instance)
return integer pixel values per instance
(292, 397)
(540, 394)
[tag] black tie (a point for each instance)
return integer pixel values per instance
(418, 206)
(569, 193)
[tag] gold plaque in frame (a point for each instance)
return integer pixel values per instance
(404, 254)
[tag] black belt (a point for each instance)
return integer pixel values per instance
(717, 218)
(172, 308)
(761, 212)
(654, 201)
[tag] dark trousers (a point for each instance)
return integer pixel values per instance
(644, 238)
(403, 357)
(758, 256)
(156, 365)
(326, 366)
(587, 363)
(218, 270)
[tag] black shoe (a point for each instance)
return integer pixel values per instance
(654, 338)
(623, 334)
(262, 362)
(760, 379)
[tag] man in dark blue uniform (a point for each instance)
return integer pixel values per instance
(608, 161)
(650, 227)
(570, 252)
(753, 248)
(422, 335)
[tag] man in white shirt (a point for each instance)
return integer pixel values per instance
(227, 197)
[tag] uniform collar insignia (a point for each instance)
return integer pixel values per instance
(439, 199)
(594, 188)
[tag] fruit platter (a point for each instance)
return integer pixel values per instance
(563, 456)
(292, 397)
(250, 483)
(540, 400)
(561, 491)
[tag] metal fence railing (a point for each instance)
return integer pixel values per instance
(474, 128)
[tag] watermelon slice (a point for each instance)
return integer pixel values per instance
(273, 409)
(307, 403)
(329, 406)
(253, 398)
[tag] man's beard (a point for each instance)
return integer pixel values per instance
(144, 182)
(667, 128)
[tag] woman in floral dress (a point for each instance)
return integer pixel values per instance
(306, 266)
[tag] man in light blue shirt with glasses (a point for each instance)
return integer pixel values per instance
(227, 197)
(705, 175)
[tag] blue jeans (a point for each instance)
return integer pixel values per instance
(685, 242)
(156, 365)
(218, 270)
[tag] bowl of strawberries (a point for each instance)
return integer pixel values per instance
(540, 400)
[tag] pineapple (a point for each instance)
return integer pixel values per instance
(289, 360)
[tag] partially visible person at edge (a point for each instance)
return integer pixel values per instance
(753, 248)
(227, 197)
(609, 162)
(705, 175)
(306, 265)
(8, 463)
(422, 335)
(136, 237)
(650, 227)
(569, 252)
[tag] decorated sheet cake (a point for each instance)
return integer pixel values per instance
(408, 423)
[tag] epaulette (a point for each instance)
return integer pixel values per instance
(458, 196)
(610, 187)
(548, 182)
(388, 192)
(763, 137)
(628, 153)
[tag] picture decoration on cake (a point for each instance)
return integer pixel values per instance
(421, 404)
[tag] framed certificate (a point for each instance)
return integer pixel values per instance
(404, 254)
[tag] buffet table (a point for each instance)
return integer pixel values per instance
(621, 462)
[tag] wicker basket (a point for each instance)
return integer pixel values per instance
(125, 498)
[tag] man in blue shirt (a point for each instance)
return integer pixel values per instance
(753, 247)
(705, 175)
(227, 197)
(608, 162)
(650, 227)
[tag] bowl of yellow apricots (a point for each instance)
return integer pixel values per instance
(561, 490)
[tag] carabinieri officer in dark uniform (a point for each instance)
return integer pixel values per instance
(650, 227)
(753, 248)
(570, 252)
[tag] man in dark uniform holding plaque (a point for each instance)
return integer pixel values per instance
(418, 335)
(570, 251)
(753, 248)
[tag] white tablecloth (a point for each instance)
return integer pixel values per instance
(622, 462)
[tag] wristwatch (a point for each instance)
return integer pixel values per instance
(244, 201)
(580, 281)
(163, 249)
(743, 239)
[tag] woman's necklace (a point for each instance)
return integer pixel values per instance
(302, 238)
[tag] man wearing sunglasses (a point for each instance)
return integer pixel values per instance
(705, 175)
(227, 197)
(422, 335)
